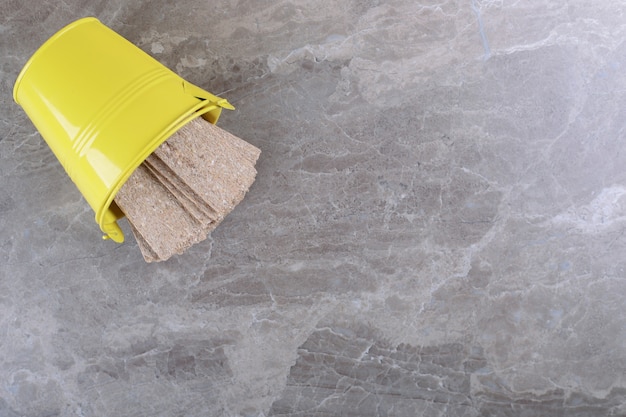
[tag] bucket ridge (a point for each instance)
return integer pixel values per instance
(115, 105)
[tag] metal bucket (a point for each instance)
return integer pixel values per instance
(103, 105)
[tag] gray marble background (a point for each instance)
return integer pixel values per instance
(436, 229)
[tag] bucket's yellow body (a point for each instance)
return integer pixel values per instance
(103, 106)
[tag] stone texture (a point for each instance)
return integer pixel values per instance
(436, 228)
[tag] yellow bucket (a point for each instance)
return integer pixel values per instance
(103, 106)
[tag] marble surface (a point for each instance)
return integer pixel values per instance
(436, 229)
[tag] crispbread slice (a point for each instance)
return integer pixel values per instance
(216, 165)
(181, 191)
(163, 223)
(184, 189)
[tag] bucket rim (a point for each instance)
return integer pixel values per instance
(202, 109)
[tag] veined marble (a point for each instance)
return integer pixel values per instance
(436, 229)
